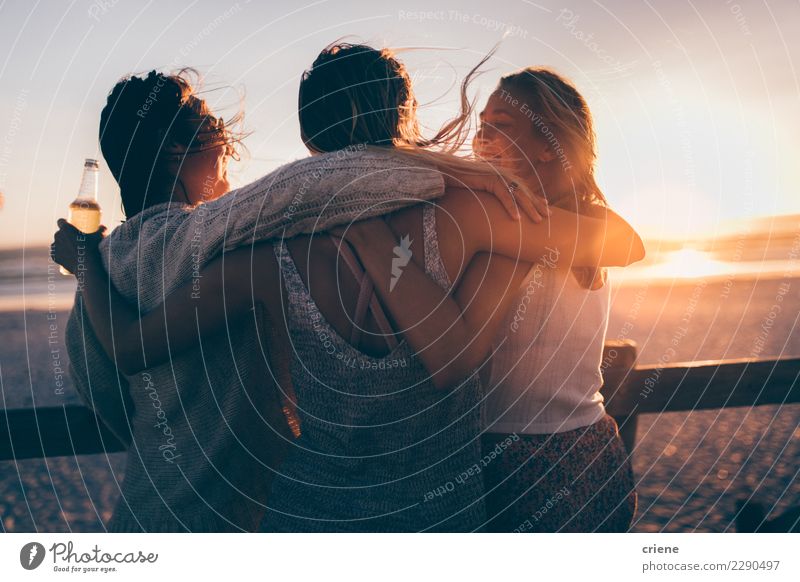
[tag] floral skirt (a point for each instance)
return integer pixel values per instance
(576, 481)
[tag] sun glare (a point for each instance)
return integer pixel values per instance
(690, 263)
(685, 263)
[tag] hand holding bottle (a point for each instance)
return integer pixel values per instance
(84, 211)
(71, 247)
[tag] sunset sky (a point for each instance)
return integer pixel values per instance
(697, 104)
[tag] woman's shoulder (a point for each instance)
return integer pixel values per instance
(467, 205)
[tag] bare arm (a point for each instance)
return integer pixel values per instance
(483, 225)
(451, 336)
(489, 283)
(486, 294)
(428, 318)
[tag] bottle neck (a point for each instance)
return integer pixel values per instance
(88, 189)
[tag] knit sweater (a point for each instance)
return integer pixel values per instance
(205, 430)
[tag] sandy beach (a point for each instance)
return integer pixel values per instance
(691, 467)
(61, 494)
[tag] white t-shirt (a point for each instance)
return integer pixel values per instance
(545, 373)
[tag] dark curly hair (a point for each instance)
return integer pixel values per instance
(149, 122)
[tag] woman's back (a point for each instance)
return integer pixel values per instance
(382, 449)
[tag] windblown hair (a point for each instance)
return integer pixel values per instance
(562, 110)
(354, 94)
(148, 124)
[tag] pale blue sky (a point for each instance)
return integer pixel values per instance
(697, 104)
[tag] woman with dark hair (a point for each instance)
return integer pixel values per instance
(186, 469)
(148, 127)
(389, 403)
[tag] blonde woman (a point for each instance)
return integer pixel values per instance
(557, 462)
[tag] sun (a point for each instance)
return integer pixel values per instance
(689, 263)
(684, 263)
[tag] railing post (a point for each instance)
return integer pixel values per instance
(619, 358)
(55, 431)
(627, 431)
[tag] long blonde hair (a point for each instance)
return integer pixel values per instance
(562, 111)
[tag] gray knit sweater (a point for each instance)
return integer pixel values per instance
(205, 430)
